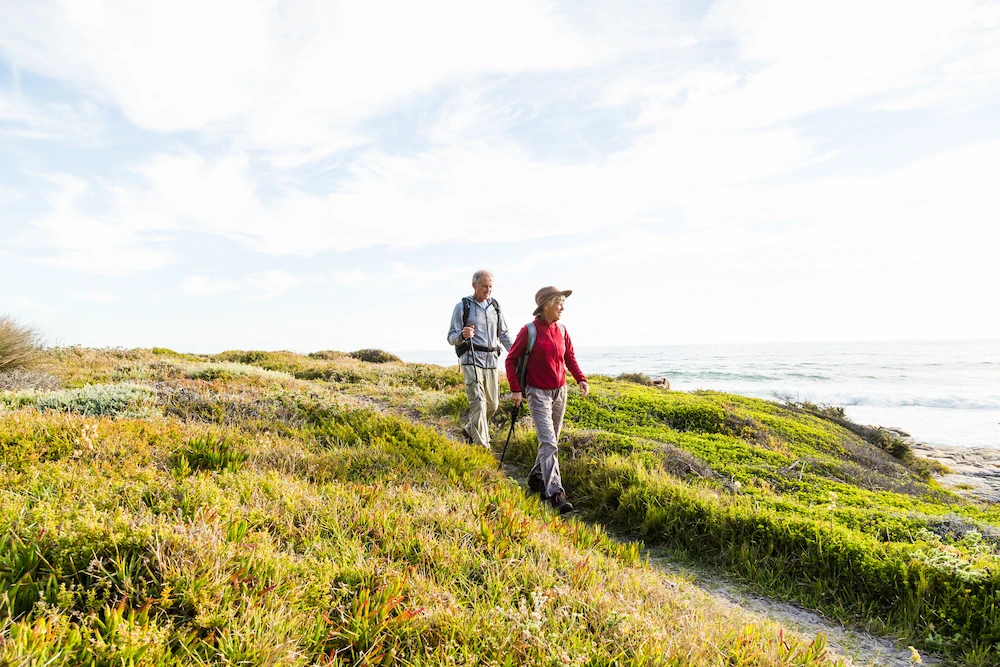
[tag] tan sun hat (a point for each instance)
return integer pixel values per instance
(546, 293)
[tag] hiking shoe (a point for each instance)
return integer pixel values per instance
(560, 503)
(468, 438)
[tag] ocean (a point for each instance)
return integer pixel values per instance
(942, 393)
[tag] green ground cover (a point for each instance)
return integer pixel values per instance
(798, 504)
(255, 508)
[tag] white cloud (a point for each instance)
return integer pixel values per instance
(818, 56)
(672, 140)
(99, 297)
(9, 195)
(271, 284)
(352, 278)
(265, 285)
(293, 74)
(199, 285)
(25, 118)
(98, 244)
(407, 278)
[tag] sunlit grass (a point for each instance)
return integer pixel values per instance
(267, 519)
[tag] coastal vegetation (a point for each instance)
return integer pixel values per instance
(193, 502)
(161, 508)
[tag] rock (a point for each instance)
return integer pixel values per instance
(974, 471)
(662, 383)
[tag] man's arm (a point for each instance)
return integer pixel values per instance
(455, 332)
(504, 334)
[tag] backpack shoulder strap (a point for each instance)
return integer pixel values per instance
(562, 329)
(466, 306)
(496, 306)
(532, 336)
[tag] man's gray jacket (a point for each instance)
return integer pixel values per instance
(491, 331)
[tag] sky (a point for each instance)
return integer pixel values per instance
(300, 175)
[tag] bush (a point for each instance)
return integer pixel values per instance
(230, 370)
(375, 356)
(19, 345)
(327, 355)
(638, 378)
(96, 400)
(243, 356)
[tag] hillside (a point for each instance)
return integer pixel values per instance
(272, 508)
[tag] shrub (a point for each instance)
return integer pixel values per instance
(243, 356)
(638, 378)
(231, 370)
(114, 400)
(327, 355)
(19, 345)
(374, 356)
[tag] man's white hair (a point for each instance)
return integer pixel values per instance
(480, 274)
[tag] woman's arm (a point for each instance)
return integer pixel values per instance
(574, 367)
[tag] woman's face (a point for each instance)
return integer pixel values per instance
(553, 309)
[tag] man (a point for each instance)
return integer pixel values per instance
(477, 330)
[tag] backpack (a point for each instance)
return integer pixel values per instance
(466, 345)
(522, 361)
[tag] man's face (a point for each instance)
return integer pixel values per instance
(483, 288)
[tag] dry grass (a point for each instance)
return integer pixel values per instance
(20, 345)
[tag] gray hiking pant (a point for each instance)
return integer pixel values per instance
(482, 388)
(547, 408)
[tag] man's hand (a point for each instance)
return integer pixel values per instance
(517, 398)
(469, 331)
(584, 389)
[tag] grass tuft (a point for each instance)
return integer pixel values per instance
(20, 345)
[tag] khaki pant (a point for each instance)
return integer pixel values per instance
(547, 409)
(484, 399)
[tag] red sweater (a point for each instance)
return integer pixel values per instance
(552, 355)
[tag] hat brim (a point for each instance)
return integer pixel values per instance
(538, 311)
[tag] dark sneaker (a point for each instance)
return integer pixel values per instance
(535, 484)
(468, 438)
(560, 503)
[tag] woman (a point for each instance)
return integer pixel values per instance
(545, 388)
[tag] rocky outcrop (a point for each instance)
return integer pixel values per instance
(974, 472)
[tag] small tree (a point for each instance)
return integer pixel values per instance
(19, 345)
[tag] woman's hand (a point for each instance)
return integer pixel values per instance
(584, 389)
(517, 398)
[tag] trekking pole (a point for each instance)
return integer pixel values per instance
(475, 366)
(515, 413)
